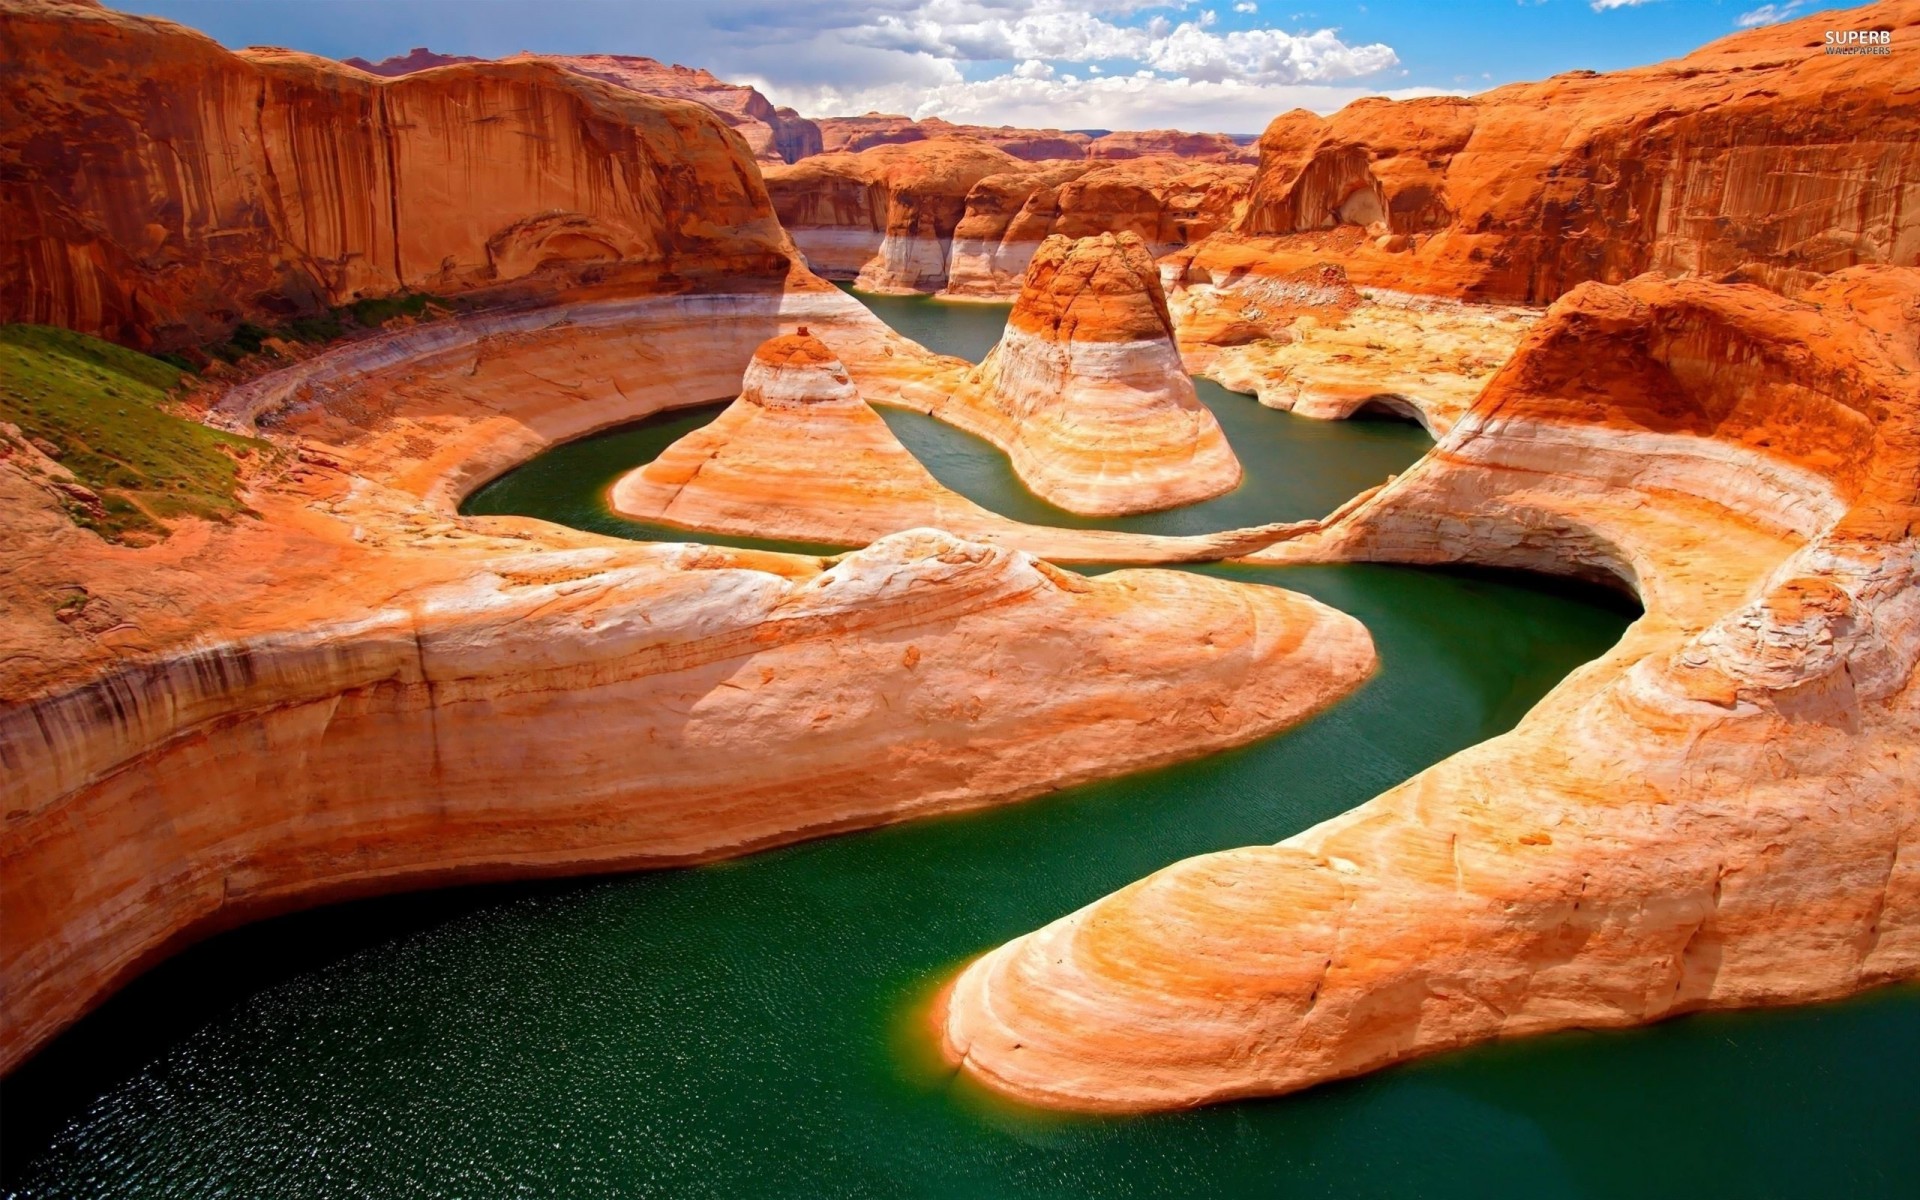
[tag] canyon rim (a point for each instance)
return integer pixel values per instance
(276, 322)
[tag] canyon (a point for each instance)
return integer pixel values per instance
(1664, 325)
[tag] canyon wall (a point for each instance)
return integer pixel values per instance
(1721, 812)
(1758, 156)
(773, 134)
(883, 218)
(354, 689)
(957, 216)
(176, 188)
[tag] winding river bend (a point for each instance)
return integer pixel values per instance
(750, 1028)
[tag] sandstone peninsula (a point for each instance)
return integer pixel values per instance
(344, 687)
(801, 456)
(1086, 391)
(338, 685)
(1720, 812)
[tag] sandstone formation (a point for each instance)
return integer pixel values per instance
(1166, 202)
(854, 134)
(359, 690)
(1086, 392)
(773, 134)
(1721, 812)
(1759, 156)
(1156, 143)
(178, 188)
(1312, 343)
(883, 218)
(801, 456)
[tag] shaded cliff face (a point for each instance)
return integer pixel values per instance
(1086, 391)
(1166, 202)
(1154, 143)
(175, 188)
(885, 217)
(1721, 812)
(774, 134)
(854, 134)
(1757, 154)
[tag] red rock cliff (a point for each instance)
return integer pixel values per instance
(1759, 154)
(162, 188)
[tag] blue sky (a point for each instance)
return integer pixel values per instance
(1125, 64)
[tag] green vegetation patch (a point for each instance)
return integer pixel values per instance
(102, 412)
(329, 326)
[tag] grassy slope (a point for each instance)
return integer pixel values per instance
(103, 408)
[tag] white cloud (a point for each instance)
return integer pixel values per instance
(1768, 14)
(1140, 101)
(1605, 5)
(1246, 6)
(1075, 31)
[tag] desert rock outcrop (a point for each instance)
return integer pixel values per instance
(1168, 203)
(211, 187)
(1086, 391)
(885, 217)
(1758, 155)
(773, 134)
(801, 456)
(1721, 812)
(353, 689)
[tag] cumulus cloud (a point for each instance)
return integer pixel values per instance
(1142, 100)
(1246, 6)
(1064, 31)
(1767, 14)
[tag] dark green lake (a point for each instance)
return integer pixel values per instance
(746, 1029)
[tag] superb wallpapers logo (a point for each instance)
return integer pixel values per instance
(1859, 41)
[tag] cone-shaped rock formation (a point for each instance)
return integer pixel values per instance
(1086, 391)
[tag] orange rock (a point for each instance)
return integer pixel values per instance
(1720, 812)
(773, 134)
(1155, 143)
(210, 187)
(444, 698)
(1166, 202)
(1086, 391)
(885, 217)
(1758, 154)
(854, 134)
(801, 456)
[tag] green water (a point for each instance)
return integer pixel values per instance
(746, 1029)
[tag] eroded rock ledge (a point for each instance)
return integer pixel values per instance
(1086, 391)
(359, 690)
(1721, 812)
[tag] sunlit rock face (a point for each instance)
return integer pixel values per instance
(1168, 203)
(773, 134)
(208, 187)
(1086, 391)
(801, 456)
(1721, 812)
(1758, 154)
(883, 218)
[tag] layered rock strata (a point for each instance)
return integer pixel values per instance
(773, 134)
(1721, 812)
(1313, 344)
(1086, 392)
(883, 218)
(1166, 202)
(357, 690)
(801, 456)
(1759, 154)
(207, 187)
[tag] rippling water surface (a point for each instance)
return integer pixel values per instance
(749, 1028)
